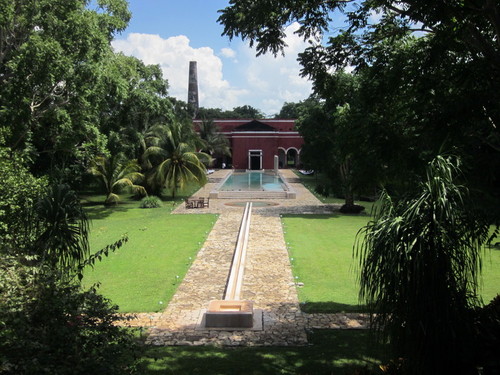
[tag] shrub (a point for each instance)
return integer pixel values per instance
(488, 336)
(351, 209)
(151, 202)
(322, 190)
(54, 327)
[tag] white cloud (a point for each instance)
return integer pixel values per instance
(228, 52)
(173, 55)
(277, 79)
(263, 82)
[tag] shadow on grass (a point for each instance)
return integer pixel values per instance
(96, 209)
(341, 352)
(330, 307)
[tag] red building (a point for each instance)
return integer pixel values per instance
(254, 143)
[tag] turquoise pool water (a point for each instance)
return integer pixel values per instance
(253, 181)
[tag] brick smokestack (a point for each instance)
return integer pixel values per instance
(193, 102)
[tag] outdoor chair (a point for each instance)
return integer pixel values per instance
(189, 204)
(200, 202)
(206, 203)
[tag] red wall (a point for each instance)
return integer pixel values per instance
(282, 135)
(269, 145)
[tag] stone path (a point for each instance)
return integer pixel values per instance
(268, 280)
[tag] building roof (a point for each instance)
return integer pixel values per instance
(230, 125)
(254, 126)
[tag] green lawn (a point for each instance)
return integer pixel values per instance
(144, 273)
(333, 352)
(322, 250)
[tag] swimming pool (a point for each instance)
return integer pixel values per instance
(253, 185)
(253, 181)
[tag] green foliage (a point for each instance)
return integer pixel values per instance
(420, 261)
(214, 143)
(19, 190)
(150, 202)
(51, 57)
(172, 154)
(338, 140)
(61, 228)
(49, 324)
(135, 102)
(53, 327)
(242, 112)
(117, 173)
(427, 80)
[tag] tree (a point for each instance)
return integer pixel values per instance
(247, 112)
(431, 91)
(297, 110)
(135, 101)
(19, 191)
(341, 142)
(420, 262)
(52, 56)
(61, 228)
(116, 172)
(242, 112)
(215, 143)
(173, 156)
(471, 25)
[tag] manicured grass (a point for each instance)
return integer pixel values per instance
(321, 252)
(490, 285)
(143, 274)
(320, 248)
(311, 181)
(336, 352)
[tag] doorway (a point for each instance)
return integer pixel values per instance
(255, 160)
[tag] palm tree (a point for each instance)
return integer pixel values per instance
(420, 261)
(61, 229)
(214, 143)
(172, 153)
(117, 172)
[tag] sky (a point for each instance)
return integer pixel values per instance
(172, 33)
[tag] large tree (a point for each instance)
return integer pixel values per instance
(135, 100)
(439, 88)
(53, 55)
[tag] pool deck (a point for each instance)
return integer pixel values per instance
(268, 279)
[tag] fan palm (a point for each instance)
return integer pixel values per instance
(117, 172)
(420, 261)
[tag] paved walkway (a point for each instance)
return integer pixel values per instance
(268, 280)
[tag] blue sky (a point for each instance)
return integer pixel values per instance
(173, 32)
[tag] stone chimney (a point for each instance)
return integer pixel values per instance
(193, 102)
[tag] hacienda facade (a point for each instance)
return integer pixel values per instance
(254, 143)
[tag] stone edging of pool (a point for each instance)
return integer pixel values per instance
(254, 203)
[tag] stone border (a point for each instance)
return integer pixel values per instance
(268, 283)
